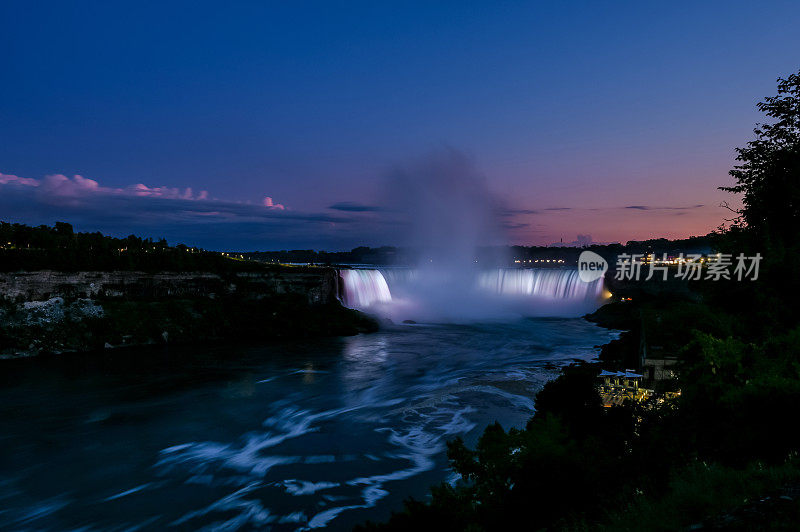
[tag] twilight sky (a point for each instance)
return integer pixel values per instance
(267, 125)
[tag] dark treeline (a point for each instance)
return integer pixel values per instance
(657, 246)
(501, 256)
(381, 256)
(24, 247)
(722, 455)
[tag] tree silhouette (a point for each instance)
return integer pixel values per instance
(768, 175)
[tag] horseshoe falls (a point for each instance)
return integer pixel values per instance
(555, 285)
(422, 295)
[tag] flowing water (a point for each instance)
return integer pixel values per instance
(288, 436)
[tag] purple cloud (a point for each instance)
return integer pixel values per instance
(178, 214)
(6, 179)
(269, 204)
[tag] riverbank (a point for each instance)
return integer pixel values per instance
(56, 326)
(55, 312)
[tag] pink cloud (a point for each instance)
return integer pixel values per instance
(167, 192)
(61, 185)
(53, 187)
(161, 192)
(269, 204)
(6, 179)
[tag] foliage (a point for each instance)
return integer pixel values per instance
(769, 169)
(701, 489)
(768, 179)
(738, 397)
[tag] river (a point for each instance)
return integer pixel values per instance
(290, 435)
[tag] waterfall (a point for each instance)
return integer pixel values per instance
(363, 288)
(398, 277)
(557, 285)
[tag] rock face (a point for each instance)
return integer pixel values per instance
(319, 285)
(54, 312)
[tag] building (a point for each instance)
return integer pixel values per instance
(615, 387)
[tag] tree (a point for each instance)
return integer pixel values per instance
(768, 178)
(64, 229)
(768, 175)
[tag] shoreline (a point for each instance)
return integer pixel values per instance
(59, 326)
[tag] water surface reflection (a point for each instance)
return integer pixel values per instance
(291, 435)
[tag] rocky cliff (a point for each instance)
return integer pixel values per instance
(53, 312)
(317, 285)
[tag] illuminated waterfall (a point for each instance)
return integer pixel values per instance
(364, 288)
(556, 285)
(399, 277)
